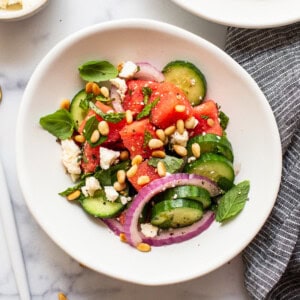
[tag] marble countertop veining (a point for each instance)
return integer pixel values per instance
(50, 270)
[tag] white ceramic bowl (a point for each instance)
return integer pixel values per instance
(252, 130)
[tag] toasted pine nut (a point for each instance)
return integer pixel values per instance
(123, 237)
(89, 87)
(65, 104)
(180, 126)
(121, 176)
(142, 180)
(161, 134)
(170, 130)
(179, 108)
(120, 66)
(158, 153)
(95, 136)
(79, 138)
(143, 247)
(128, 116)
(155, 144)
(190, 123)
(74, 195)
(119, 186)
(103, 128)
(62, 296)
(180, 150)
(132, 171)
(137, 160)
(196, 150)
(104, 91)
(210, 122)
(161, 169)
(96, 89)
(124, 155)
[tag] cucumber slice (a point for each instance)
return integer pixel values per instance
(215, 167)
(212, 143)
(188, 78)
(176, 213)
(186, 192)
(77, 112)
(101, 208)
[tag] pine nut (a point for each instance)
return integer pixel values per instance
(96, 89)
(210, 122)
(121, 176)
(196, 150)
(170, 130)
(161, 134)
(155, 144)
(128, 116)
(74, 195)
(65, 104)
(62, 296)
(119, 186)
(143, 247)
(137, 160)
(190, 123)
(158, 153)
(124, 155)
(123, 237)
(179, 108)
(132, 171)
(142, 180)
(161, 169)
(103, 128)
(95, 136)
(180, 126)
(180, 150)
(104, 91)
(79, 138)
(89, 87)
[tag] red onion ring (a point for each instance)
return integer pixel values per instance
(117, 102)
(114, 225)
(148, 72)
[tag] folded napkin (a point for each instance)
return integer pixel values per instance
(272, 58)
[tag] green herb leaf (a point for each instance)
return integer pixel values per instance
(97, 71)
(109, 117)
(60, 124)
(224, 119)
(173, 164)
(147, 109)
(72, 189)
(147, 137)
(204, 117)
(146, 93)
(231, 203)
(90, 125)
(84, 103)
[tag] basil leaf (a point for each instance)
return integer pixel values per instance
(173, 164)
(231, 203)
(109, 117)
(90, 125)
(97, 71)
(147, 109)
(60, 124)
(72, 189)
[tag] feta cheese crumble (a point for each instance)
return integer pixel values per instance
(128, 70)
(91, 186)
(111, 193)
(108, 157)
(121, 86)
(148, 230)
(71, 156)
(179, 139)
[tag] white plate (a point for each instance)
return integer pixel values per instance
(245, 13)
(30, 7)
(252, 130)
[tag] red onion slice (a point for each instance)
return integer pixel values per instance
(114, 225)
(117, 102)
(148, 72)
(156, 186)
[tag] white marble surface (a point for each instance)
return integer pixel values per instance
(49, 269)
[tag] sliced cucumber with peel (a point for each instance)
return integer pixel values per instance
(77, 112)
(188, 78)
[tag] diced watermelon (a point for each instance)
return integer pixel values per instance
(143, 170)
(91, 158)
(204, 111)
(136, 135)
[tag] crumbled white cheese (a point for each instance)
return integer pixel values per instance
(71, 156)
(121, 86)
(148, 230)
(107, 157)
(179, 139)
(191, 158)
(125, 200)
(91, 186)
(111, 193)
(129, 68)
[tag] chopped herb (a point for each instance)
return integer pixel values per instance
(146, 93)
(172, 163)
(109, 117)
(147, 109)
(204, 117)
(224, 119)
(90, 125)
(147, 137)
(84, 103)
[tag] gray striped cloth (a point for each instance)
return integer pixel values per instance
(272, 58)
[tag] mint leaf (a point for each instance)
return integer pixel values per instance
(146, 93)
(109, 117)
(172, 163)
(60, 124)
(97, 71)
(231, 203)
(147, 109)
(89, 127)
(224, 119)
